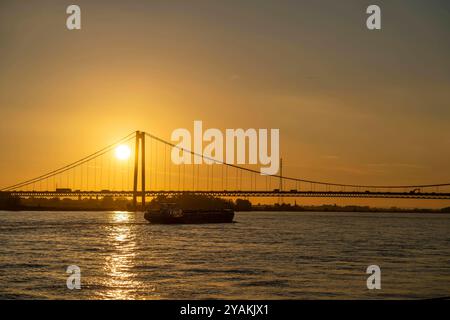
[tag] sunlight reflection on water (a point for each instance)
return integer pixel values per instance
(120, 279)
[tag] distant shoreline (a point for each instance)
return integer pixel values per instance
(187, 202)
(254, 209)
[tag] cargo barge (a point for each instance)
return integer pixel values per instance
(170, 214)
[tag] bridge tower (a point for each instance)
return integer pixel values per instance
(280, 188)
(140, 144)
(281, 174)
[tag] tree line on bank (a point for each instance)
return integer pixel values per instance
(188, 201)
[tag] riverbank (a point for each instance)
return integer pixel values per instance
(282, 208)
(188, 201)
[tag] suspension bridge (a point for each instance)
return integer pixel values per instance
(149, 172)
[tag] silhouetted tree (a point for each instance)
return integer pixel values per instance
(192, 201)
(243, 205)
(8, 202)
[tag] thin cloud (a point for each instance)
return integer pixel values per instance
(330, 157)
(396, 165)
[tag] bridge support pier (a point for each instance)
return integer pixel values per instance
(140, 143)
(143, 170)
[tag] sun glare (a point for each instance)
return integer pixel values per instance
(123, 152)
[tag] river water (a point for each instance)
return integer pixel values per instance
(264, 255)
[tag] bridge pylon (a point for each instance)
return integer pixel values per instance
(140, 145)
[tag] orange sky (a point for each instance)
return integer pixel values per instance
(352, 106)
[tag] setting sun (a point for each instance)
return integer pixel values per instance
(123, 152)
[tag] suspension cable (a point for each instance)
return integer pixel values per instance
(69, 166)
(296, 179)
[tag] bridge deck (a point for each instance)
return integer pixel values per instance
(240, 193)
